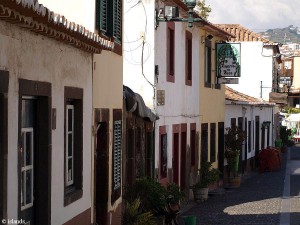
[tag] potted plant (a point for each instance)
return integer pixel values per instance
(234, 139)
(207, 176)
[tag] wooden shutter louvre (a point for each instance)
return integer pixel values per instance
(117, 34)
(102, 16)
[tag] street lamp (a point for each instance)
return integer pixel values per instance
(171, 13)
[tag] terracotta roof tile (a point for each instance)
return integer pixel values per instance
(242, 34)
(37, 18)
(233, 95)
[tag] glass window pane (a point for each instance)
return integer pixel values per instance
(70, 169)
(70, 144)
(22, 189)
(28, 186)
(23, 149)
(28, 149)
(70, 119)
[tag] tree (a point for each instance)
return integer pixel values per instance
(203, 9)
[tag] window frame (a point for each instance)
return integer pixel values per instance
(188, 58)
(170, 51)
(73, 192)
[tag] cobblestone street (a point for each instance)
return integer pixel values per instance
(259, 201)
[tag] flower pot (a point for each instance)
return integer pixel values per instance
(235, 182)
(189, 220)
(200, 194)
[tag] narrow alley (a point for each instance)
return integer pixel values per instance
(270, 198)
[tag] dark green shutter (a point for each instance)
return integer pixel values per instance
(117, 20)
(102, 15)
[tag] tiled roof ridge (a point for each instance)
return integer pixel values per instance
(243, 34)
(37, 18)
(242, 96)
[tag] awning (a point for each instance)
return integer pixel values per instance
(135, 104)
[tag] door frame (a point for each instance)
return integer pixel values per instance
(4, 82)
(42, 91)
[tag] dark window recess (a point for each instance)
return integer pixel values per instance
(73, 144)
(212, 142)
(246, 139)
(109, 18)
(149, 153)
(193, 147)
(233, 122)
(171, 52)
(163, 156)
(188, 58)
(207, 80)
(204, 142)
(249, 136)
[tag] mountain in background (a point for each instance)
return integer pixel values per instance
(285, 35)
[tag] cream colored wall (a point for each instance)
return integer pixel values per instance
(212, 100)
(27, 55)
(296, 79)
(108, 80)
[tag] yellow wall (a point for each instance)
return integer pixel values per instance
(108, 80)
(212, 100)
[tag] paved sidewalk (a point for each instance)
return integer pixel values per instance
(257, 202)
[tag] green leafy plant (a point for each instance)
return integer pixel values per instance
(176, 193)
(151, 194)
(207, 175)
(234, 138)
(133, 215)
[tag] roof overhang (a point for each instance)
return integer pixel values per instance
(31, 15)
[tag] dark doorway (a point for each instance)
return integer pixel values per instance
(101, 173)
(221, 147)
(183, 160)
(204, 142)
(257, 135)
(176, 158)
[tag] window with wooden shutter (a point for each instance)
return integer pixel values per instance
(109, 19)
(116, 155)
(117, 18)
(102, 15)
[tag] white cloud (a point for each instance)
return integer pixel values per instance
(256, 15)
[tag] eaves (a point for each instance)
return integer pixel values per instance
(31, 15)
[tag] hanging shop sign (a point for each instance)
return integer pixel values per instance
(228, 59)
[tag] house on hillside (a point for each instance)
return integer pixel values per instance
(50, 75)
(256, 118)
(259, 62)
(167, 66)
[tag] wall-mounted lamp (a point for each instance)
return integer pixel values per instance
(171, 13)
(208, 37)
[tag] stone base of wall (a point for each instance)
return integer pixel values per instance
(83, 218)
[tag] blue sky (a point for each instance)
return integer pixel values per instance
(256, 15)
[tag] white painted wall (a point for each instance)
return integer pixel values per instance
(29, 56)
(181, 101)
(256, 66)
(138, 23)
(265, 113)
